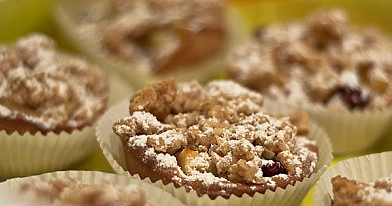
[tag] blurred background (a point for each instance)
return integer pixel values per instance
(22, 17)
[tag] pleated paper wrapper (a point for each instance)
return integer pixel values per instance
(350, 132)
(24, 155)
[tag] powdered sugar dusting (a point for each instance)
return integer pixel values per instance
(217, 139)
(162, 24)
(166, 160)
(350, 191)
(303, 62)
(72, 191)
(47, 88)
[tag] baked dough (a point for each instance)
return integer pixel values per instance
(213, 139)
(45, 90)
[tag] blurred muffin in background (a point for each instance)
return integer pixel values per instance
(49, 103)
(362, 180)
(338, 72)
(75, 188)
(146, 40)
(349, 191)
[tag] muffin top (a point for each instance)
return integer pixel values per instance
(43, 87)
(216, 138)
(148, 32)
(321, 60)
(73, 192)
(348, 191)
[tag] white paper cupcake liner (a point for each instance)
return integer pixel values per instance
(353, 131)
(23, 155)
(350, 132)
(8, 189)
(112, 148)
(66, 12)
(109, 142)
(366, 169)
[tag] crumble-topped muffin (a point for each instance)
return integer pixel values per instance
(161, 34)
(44, 90)
(357, 174)
(71, 191)
(76, 188)
(337, 72)
(213, 139)
(146, 41)
(352, 192)
(49, 104)
(320, 60)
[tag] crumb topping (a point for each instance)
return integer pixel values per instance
(70, 191)
(47, 88)
(348, 192)
(215, 134)
(148, 32)
(320, 60)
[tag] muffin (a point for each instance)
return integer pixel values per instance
(365, 180)
(213, 143)
(350, 192)
(149, 40)
(338, 72)
(82, 188)
(49, 103)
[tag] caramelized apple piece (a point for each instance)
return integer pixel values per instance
(185, 158)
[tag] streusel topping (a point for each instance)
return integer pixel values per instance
(147, 31)
(215, 134)
(47, 88)
(70, 191)
(321, 60)
(348, 191)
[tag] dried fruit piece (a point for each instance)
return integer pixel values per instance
(353, 97)
(184, 159)
(272, 169)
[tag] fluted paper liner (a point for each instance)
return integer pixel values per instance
(365, 168)
(292, 195)
(353, 131)
(66, 13)
(350, 131)
(9, 189)
(23, 155)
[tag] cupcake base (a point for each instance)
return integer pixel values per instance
(112, 148)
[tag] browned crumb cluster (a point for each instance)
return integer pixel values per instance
(72, 192)
(42, 87)
(214, 135)
(158, 34)
(321, 60)
(352, 192)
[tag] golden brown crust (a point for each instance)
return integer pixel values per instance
(153, 99)
(212, 139)
(194, 48)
